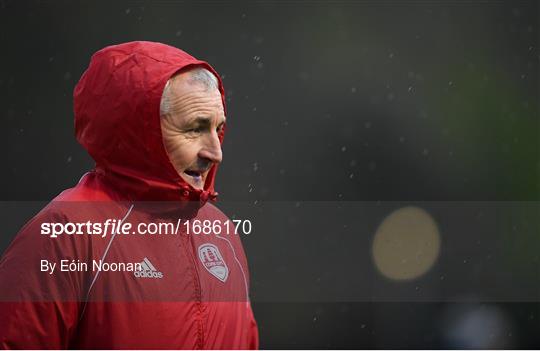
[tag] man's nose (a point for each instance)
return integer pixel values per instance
(211, 149)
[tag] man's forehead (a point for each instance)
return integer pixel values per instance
(192, 104)
(181, 87)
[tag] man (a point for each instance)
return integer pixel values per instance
(153, 119)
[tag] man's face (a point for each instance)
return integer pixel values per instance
(190, 130)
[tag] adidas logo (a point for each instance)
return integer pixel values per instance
(148, 270)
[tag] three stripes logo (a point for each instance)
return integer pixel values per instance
(148, 270)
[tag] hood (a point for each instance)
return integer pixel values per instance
(116, 105)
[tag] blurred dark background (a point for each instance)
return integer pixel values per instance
(327, 101)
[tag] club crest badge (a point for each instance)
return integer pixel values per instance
(213, 261)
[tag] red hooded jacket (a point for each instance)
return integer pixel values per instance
(192, 291)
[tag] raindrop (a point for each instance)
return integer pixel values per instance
(353, 90)
(178, 33)
(343, 148)
(69, 159)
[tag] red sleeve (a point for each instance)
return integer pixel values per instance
(39, 310)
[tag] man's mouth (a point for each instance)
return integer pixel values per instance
(195, 175)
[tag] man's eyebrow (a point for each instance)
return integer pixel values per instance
(204, 120)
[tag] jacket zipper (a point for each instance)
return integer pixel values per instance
(198, 287)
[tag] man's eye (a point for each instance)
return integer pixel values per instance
(195, 130)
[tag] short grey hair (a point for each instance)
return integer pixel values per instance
(197, 75)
